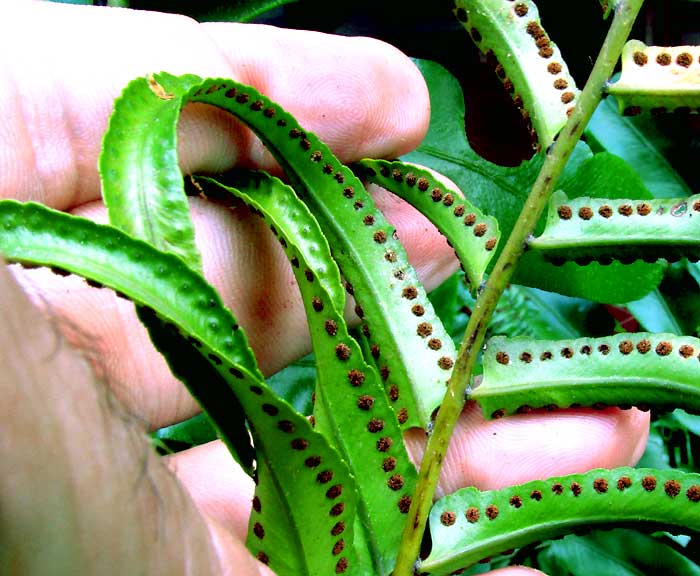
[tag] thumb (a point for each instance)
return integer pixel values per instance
(82, 491)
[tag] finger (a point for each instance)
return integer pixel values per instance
(219, 487)
(361, 96)
(246, 264)
(514, 571)
(497, 453)
(82, 490)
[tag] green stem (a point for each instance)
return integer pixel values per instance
(625, 14)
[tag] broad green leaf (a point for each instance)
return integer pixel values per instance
(606, 176)
(497, 190)
(501, 192)
(528, 62)
(142, 185)
(657, 78)
(472, 235)
(654, 314)
(585, 229)
(640, 369)
(470, 525)
(299, 522)
(352, 409)
(614, 553)
(637, 142)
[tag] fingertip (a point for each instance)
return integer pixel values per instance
(403, 114)
(362, 96)
(492, 454)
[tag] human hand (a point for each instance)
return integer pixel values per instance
(360, 96)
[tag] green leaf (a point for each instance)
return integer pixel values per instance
(296, 229)
(142, 184)
(585, 229)
(364, 244)
(469, 525)
(606, 176)
(32, 233)
(654, 314)
(530, 64)
(610, 283)
(352, 409)
(501, 192)
(222, 407)
(444, 206)
(323, 542)
(640, 369)
(497, 190)
(688, 421)
(657, 78)
(638, 142)
(614, 553)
